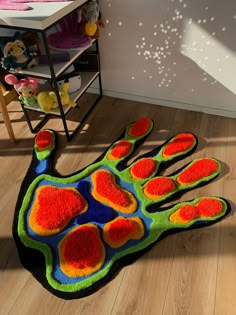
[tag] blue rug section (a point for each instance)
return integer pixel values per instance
(97, 212)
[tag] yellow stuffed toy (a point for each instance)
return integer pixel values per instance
(47, 100)
(89, 18)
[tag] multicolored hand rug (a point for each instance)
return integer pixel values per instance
(75, 232)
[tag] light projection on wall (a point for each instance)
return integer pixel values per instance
(165, 36)
(174, 52)
(191, 38)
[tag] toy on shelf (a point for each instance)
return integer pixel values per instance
(47, 100)
(26, 88)
(90, 19)
(74, 80)
(77, 29)
(55, 58)
(32, 42)
(15, 54)
(70, 36)
(19, 5)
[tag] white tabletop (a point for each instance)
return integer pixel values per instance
(42, 15)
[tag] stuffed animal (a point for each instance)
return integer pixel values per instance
(90, 18)
(74, 83)
(70, 35)
(15, 54)
(47, 100)
(26, 88)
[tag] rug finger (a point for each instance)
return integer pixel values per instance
(195, 213)
(121, 150)
(148, 165)
(161, 189)
(44, 145)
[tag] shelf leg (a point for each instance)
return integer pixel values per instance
(39, 125)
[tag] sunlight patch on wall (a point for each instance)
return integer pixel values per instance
(209, 54)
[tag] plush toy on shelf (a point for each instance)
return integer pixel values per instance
(47, 100)
(74, 82)
(77, 29)
(90, 18)
(69, 36)
(15, 54)
(26, 88)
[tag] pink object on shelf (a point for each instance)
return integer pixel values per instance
(18, 5)
(70, 36)
(20, 1)
(8, 5)
(68, 41)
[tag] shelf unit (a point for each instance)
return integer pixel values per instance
(43, 71)
(40, 19)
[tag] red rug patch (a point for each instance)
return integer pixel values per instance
(57, 206)
(160, 186)
(198, 170)
(140, 127)
(43, 139)
(121, 149)
(206, 207)
(188, 212)
(107, 189)
(181, 143)
(143, 168)
(209, 207)
(82, 248)
(121, 229)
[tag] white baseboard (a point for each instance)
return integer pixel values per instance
(168, 103)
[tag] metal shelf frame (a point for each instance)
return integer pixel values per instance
(53, 78)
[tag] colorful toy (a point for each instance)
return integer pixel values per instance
(33, 43)
(74, 83)
(26, 88)
(19, 5)
(47, 100)
(77, 28)
(70, 36)
(90, 18)
(15, 54)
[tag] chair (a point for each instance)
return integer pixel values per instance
(5, 98)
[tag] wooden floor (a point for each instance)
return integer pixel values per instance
(193, 272)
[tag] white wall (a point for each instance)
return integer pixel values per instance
(179, 53)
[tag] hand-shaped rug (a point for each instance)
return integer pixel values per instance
(74, 233)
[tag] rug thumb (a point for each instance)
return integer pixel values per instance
(44, 146)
